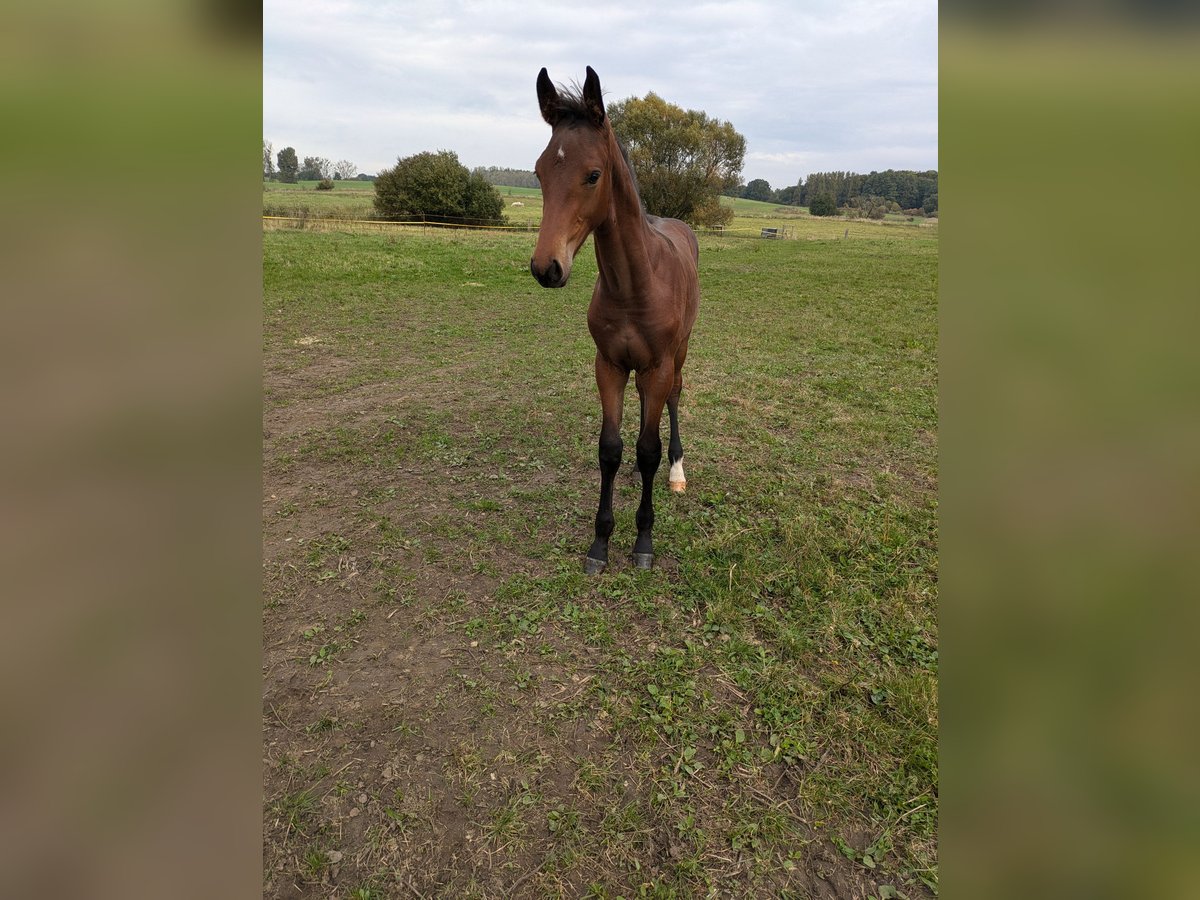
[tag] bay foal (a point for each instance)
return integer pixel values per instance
(646, 296)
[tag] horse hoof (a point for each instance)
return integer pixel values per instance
(678, 486)
(593, 566)
(643, 560)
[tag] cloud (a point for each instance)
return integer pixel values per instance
(851, 82)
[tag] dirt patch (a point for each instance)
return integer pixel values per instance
(437, 723)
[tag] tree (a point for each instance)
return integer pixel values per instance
(268, 160)
(840, 187)
(315, 168)
(344, 169)
(822, 205)
(437, 186)
(930, 206)
(789, 196)
(758, 189)
(683, 159)
(288, 165)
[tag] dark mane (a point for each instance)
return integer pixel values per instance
(569, 108)
(632, 172)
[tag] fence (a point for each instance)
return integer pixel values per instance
(333, 223)
(414, 222)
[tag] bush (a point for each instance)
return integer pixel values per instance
(437, 186)
(822, 206)
(871, 206)
(324, 185)
(709, 213)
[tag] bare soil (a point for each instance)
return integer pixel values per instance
(420, 757)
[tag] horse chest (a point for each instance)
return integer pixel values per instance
(625, 344)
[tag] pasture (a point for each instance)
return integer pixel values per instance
(354, 200)
(453, 709)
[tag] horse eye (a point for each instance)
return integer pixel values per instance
(593, 177)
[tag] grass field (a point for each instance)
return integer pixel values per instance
(354, 200)
(452, 709)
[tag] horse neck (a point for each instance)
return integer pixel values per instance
(622, 254)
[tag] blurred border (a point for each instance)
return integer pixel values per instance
(130, 280)
(130, 476)
(1070, 442)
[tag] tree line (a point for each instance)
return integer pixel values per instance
(286, 167)
(683, 160)
(872, 195)
(523, 178)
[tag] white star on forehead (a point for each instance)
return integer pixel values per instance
(561, 155)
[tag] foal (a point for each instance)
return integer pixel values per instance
(646, 296)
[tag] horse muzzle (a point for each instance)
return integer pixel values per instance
(551, 276)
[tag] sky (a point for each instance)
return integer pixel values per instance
(824, 85)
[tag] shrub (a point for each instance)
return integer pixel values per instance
(324, 185)
(709, 213)
(438, 186)
(822, 206)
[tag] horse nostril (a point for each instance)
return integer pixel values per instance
(551, 276)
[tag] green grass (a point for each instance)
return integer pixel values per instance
(354, 200)
(766, 694)
(348, 199)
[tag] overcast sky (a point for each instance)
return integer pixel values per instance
(813, 86)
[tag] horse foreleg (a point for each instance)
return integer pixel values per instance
(656, 386)
(611, 381)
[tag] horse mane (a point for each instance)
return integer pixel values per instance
(632, 172)
(569, 108)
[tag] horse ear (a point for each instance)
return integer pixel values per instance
(591, 97)
(547, 98)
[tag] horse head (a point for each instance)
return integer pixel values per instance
(575, 173)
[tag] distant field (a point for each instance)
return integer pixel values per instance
(347, 200)
(354, 200)
(756, 209)
(349, 184)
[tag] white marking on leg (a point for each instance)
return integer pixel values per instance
(676, 472)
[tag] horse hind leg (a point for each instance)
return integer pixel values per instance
(676, 478)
